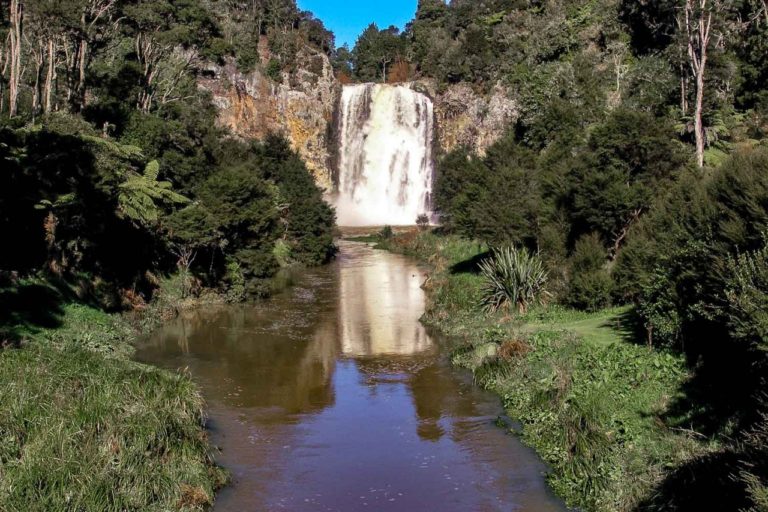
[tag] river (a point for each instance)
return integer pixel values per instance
(332, 396)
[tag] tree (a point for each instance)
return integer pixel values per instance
(342, 60)
(142, 195)
(167, 36)
(15, 42)
(46, 36)
(676, 264)
(422, 220)
(746, 297)
(699, 21)
(590, 285)
(628, 159)
(88, 26)
(375, 50)
(495, 199)
(306, 220)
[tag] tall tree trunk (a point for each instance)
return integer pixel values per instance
(698, 27)
(76, 68)
(77, 100)
(3, 70)
(50, 76)
(16, 15)
(148, 54)
(698, 122)
(39, 57)
(37, 90)
(683, 90)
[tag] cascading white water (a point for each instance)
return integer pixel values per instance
(385, 156)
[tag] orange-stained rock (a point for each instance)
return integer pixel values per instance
(300, 107)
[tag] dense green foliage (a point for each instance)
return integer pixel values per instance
(248, 28)
(467, 185)
(637, 177)
(640, 178)
(590, 287)
(130, 178)
(376, 51)
(590, 402)
(704, 243)
(118, 192)
(107, 448)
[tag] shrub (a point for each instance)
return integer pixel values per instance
(236, 281)
(423, 221)
(591, 291)
(591, 284)
(676, 266)
(512, 277)
(746, 297)
(282, 253)
(386, 233)
(274, 70)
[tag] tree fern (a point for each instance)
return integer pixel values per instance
(142, 196)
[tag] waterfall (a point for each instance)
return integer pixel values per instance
(385, 156)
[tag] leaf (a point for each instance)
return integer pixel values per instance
(142, 196)
(152, 171)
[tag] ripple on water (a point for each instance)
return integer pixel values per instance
(331, 396)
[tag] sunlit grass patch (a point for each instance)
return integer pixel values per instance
(84, 432)
(591, 396)
(82, 427)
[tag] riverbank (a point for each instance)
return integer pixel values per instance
(593, 401)
(333, 396)
(82, 426)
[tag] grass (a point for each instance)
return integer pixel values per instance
(603, 328)
(590, 395)
(84, 428)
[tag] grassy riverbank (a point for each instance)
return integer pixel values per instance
(82, 427)
(595, 403)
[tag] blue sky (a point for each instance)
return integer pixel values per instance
(348, 18)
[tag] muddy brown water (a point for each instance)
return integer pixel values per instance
(331, 396)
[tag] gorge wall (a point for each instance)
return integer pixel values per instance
(299, 107)
(302, 105)
(467, 118)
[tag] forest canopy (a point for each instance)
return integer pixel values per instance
(114, 172)
(636, 169)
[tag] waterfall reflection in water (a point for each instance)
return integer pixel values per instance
(331, 396)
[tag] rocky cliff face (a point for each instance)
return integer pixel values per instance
(300, 107)
(466, 118)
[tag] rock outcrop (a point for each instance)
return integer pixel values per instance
(467, 118)
(300, 107)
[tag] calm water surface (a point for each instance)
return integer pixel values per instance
(332, 396)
